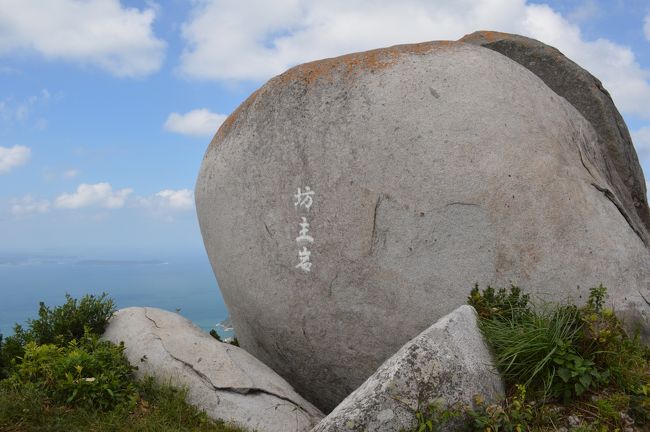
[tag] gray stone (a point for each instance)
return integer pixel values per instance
(433, 166)
(586, 93)
(447, 364)
(223, 380)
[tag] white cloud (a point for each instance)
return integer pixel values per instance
(28, 205)
(11, 157)
(102, 33)
(182, 199)
(168, 202)
(198, 122)
(168, 199)
(257, 39)
(646, 27)
(93, 195)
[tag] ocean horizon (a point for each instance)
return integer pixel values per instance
(180, 282)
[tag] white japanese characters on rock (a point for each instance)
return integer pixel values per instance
(304, 200)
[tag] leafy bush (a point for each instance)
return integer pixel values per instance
(87, 372)
(63, 377)
(58, 326)
(69, 321)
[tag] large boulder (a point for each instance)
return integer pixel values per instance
(448, 364)
(223, 380)
(350, 202)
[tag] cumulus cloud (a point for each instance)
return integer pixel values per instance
(198, 122)
(29, 205)
(182, 199)
(167, 203)
(255, 40)
(11, 157)
(169, 199)
(102, 33)
(93, 195)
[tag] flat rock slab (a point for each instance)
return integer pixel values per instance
(350, 202)
(447, 364)
(223, 380)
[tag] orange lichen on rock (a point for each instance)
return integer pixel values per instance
(486, 36)
(227, 125)
(340, 67)
(352, 64)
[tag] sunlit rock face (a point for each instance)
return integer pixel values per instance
(351, 202)
(223, 380)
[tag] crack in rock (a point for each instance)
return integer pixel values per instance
(461, 204)
(610, 196)
(208, 381)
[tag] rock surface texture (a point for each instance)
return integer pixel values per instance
(430, 167)
(587, 94)
(223, 380)
(448, 363)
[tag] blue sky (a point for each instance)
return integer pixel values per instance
(107, 106)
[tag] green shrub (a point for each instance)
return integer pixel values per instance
(57, 326)
(63, 377)
(86, 372)
(532, 348)
(69, 321)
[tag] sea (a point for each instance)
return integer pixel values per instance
(180, 282)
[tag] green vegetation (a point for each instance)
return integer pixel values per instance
(564, 366)
(58, 375)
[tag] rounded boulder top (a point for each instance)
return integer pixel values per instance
(351, 202)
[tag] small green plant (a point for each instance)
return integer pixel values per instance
(434, 417)
(514, 415)
(499, 303)
(525, 347)
(576, 374)
(215, 335)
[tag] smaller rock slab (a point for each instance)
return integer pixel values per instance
(223, 380)
(448, 363)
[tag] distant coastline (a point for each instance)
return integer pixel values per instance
(181, 282)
